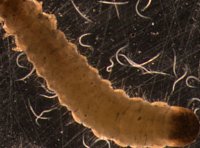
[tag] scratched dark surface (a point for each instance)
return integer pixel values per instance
(173, 33)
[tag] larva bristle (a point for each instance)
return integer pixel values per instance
(184, 126)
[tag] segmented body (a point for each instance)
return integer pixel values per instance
(110, 113)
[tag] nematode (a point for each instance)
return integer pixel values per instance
(109, 112)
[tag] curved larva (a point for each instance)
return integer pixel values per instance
(110, 113)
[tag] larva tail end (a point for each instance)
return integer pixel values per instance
(184, 127)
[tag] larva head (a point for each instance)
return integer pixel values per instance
(184, 126)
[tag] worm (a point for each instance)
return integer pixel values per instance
(81, 14)
(138, 13)
(108, 112)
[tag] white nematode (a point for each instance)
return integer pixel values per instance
(110, 113)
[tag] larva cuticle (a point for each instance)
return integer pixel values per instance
(128, 121)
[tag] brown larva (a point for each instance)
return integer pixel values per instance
(128, 121)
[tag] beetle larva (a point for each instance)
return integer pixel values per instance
(110, 113)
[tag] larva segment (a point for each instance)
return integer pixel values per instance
(184, 126)
(110, 113)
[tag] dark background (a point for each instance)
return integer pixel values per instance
(172, 30)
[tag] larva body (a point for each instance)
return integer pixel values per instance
(110, 113)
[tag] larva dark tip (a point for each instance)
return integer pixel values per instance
(184, 127)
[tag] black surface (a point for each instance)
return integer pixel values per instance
(173, 28)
